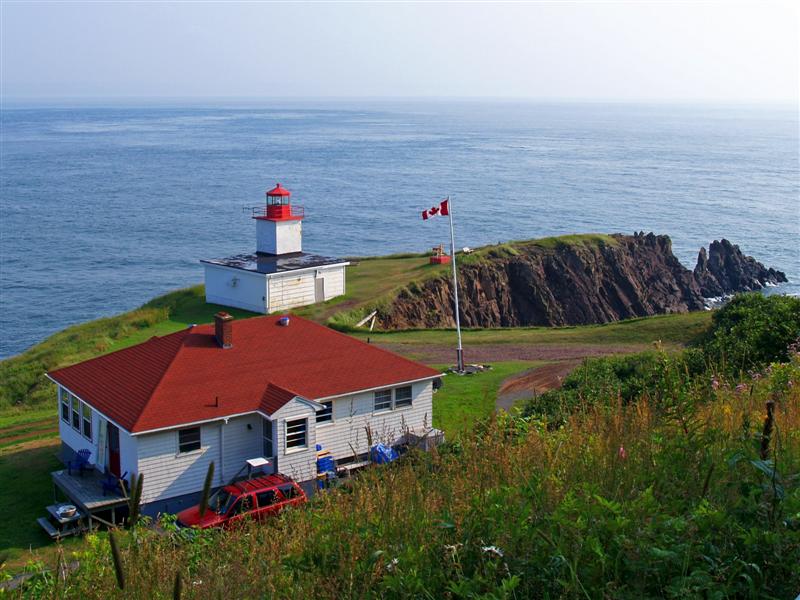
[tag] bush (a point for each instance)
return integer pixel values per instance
(608, 381)
(752, 331)
(619, 503)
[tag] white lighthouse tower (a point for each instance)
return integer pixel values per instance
(279, 227)
(279, 276)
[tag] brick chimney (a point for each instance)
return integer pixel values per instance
(223, 329)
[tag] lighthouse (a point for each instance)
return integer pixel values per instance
(279, 276)
(279, 226)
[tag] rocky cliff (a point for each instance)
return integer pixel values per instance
(726, 270)
(575, 281)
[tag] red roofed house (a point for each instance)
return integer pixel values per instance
(233, 391)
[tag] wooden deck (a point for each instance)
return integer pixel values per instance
(87, 491)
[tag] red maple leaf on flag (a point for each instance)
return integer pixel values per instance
(443, 209)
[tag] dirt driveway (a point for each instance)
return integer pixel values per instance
(488, 353)
(561, 360)
(533, 381)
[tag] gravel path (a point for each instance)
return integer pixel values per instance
(533, 381)
(488, 353)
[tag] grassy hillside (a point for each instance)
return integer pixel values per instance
(684, 498)
(369, 283)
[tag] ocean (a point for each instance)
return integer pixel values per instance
(105, 208)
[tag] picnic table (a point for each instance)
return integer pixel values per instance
(57, 525)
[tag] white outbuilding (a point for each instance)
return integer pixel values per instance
(279, 276)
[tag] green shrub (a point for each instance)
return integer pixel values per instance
(752, 331)
(611, 380)
(620, 502)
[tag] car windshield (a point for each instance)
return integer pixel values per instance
(221, 501)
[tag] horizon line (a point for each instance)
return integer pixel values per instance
(63, 101)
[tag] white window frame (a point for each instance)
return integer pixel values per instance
(75, 411)
(85, 407)
(266, 436)
(287, 434)
(199, 440)
(328, 410)
(407, 403)
(388, 401)
(64, 404)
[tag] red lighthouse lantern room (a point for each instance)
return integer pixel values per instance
(279, 206)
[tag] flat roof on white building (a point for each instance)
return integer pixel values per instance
(271, 263)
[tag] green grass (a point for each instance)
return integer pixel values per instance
(28, 467)
(464, 399)
(670, 330)
(586, 239)
(21, 417)
(518, 509)
(24, 385)
(372, 283)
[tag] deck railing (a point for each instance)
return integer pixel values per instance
(263, 209)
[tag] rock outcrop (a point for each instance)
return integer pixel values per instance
(726, 270)
(585, 280)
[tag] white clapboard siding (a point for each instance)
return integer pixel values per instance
(77, 441)
(301, 465)
(128, 454)
(291, 290)
(240, 444)
(334, 282)
(352, 414)
(168, 474)
(235, 287)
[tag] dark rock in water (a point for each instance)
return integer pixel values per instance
(726, 270)
(576, 280)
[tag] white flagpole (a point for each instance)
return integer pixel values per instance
(459, 350)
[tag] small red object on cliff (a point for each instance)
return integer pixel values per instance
(621, 453)
(439, 257)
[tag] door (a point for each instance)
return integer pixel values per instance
(113, 450)
(269, 503)
(241, 510)
(319, 289)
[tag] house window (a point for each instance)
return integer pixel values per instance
(383, 400)
(188, 440)
(325, 415)
(296, 434)
(402, 397)
(266, 426)
(87, 421)
(65, 406)
(76, 413)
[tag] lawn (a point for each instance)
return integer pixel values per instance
(28, 420)
(28, 466)
(671, 330)
(464, 399)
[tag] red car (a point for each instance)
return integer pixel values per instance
(256, 498)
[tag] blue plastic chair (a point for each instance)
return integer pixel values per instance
(80, 462)
(111, 483)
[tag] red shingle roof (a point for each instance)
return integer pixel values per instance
(186, 377)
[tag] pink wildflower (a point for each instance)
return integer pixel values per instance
(621, 453)
(714, 383)
(741, 388)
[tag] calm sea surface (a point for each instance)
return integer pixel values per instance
(104, 208)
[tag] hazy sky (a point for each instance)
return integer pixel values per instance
(625, 51)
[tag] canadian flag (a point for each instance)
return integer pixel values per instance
(443, 209)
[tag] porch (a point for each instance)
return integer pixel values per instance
(86, 493)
